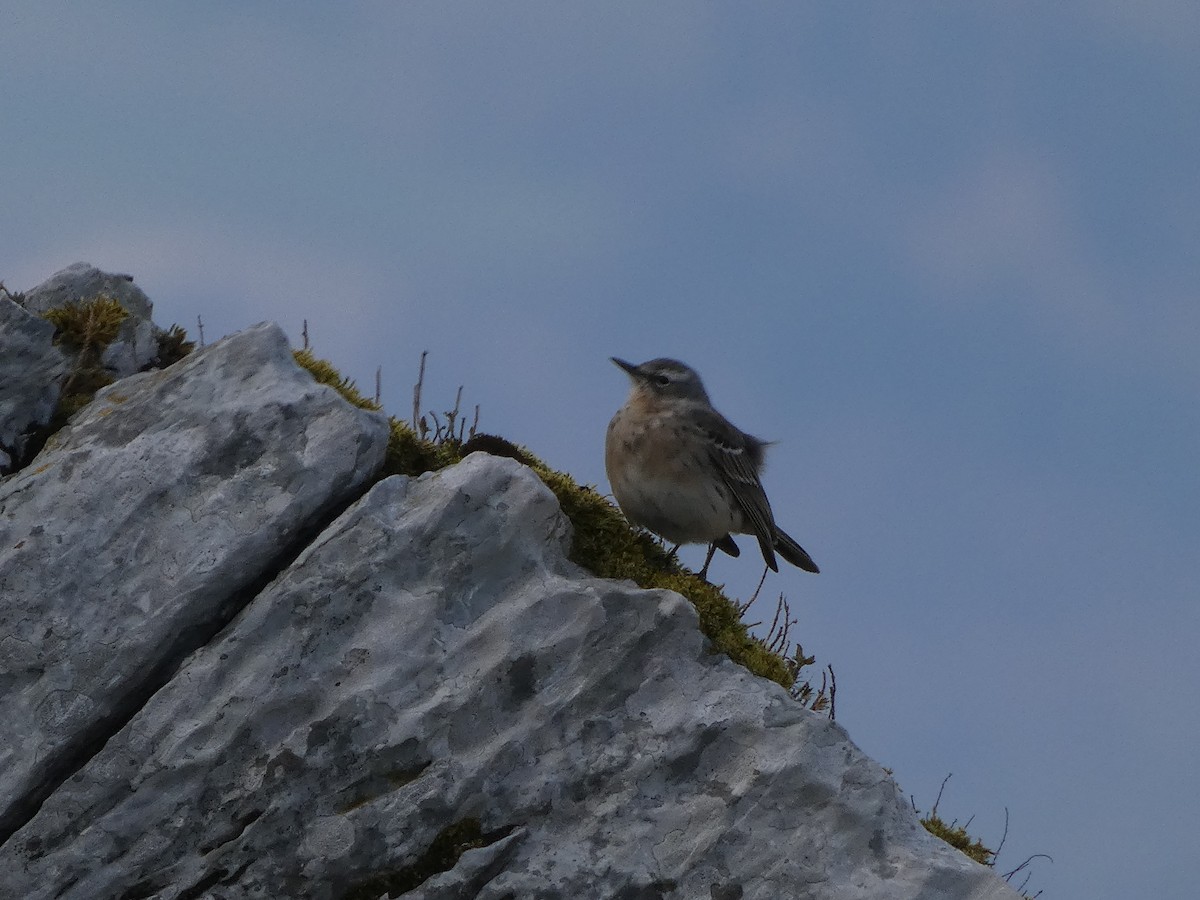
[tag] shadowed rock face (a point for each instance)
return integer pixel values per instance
(31, 373)
(210, 688)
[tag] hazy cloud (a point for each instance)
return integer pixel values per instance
(1005, 232)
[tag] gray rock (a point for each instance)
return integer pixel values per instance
(31, 373)
(134, 349)
(140, 530)
(432, 659)
(83, 281)
(136, 344)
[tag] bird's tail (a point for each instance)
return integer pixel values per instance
(793, 552)
(726, 545)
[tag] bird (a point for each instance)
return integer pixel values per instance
(683, 471)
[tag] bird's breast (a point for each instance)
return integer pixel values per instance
(662, 478)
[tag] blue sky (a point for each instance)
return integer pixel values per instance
(945, 255)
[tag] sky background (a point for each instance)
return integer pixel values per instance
(947, 255)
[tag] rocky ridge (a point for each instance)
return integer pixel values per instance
(233, 664)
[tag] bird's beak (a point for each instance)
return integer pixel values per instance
(630, 369)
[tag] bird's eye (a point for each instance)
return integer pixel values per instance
(662, 380)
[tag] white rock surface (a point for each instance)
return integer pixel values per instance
(31, 373)
(432, 658)
(83, 281)
(140, 530)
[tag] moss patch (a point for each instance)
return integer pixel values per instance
(956, 836)
(325, 373)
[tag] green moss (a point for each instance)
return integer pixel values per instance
(325, 373)
(407, 452)
(441, 855)
(410, 454)
(956, 836)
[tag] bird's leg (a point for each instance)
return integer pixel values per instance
(674, 551)
(712, 548)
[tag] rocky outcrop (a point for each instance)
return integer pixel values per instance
(133, 538)
(35, 369)
(229, 669)
(136, 344)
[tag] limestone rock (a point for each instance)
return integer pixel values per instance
(430, 671)
(31, 373)
(143, 527)
(83, 281)
(136, 345)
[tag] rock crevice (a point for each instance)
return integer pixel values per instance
(163, 508)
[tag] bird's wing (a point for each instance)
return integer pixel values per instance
(737, 457)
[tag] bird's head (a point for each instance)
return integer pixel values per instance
(664, 378)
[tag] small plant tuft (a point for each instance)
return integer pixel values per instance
(778, 641)
(324, 372)
(173, 346)
(952, 833)
(441, 432)
(84, 329)
(958, 837)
